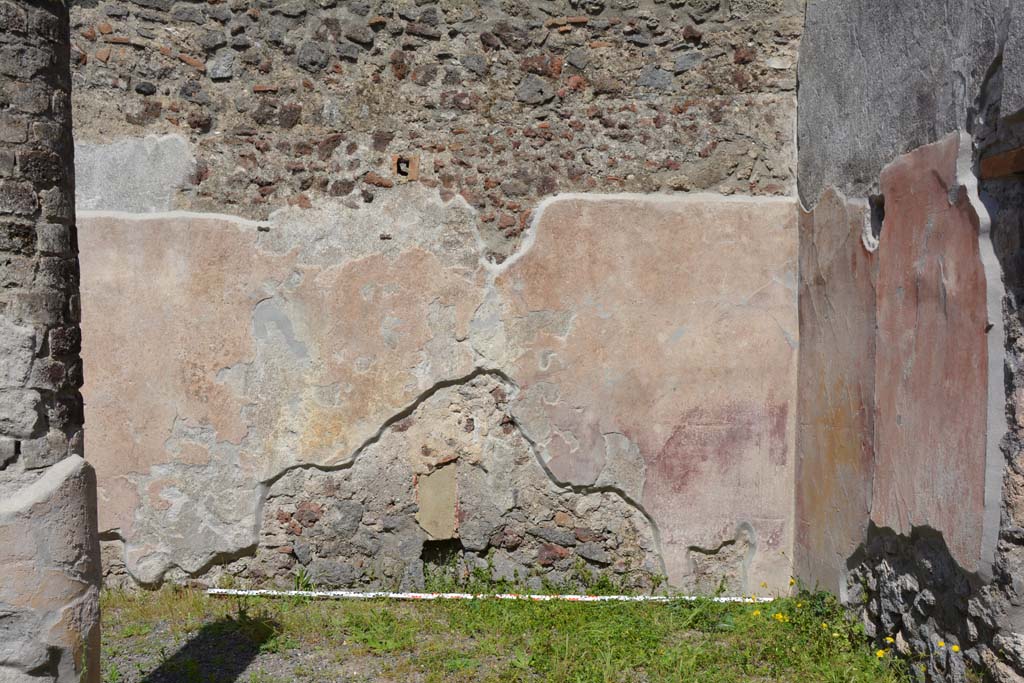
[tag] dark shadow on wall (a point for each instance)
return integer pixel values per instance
(911, 589)
(219, 653)
(1002, 192)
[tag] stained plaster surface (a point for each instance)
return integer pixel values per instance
(939, 373)
(647, 347)
(835, 442)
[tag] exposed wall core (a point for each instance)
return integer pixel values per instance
(501, 102)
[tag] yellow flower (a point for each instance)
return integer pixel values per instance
(955, 648)
(890, 640)
(757, 613)
(880, 654)
(799, 605)
(942, 643)
(824, 625)
(792, 581)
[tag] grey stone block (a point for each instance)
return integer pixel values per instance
(17, 346)
(534, 90)
(44, 451)
(17, 197)
(19, 412)
(221, 67)
(655, 78)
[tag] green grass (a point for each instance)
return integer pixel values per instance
(806, 638)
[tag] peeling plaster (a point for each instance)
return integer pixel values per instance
(319, 351)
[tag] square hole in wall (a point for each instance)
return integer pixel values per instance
(405, 167)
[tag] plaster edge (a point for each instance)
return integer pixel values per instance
(530, 237)
(996, 423)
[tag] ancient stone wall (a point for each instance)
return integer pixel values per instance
(49, 553)
(914, 404)
(429, 286)
(325, 230)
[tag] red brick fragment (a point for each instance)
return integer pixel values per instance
(692, 34)
(372, 178)
(549, 553)
(744, 55)
(194, 62)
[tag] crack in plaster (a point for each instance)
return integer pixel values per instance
(267, 484)
(593, 488)
(485, 365)
(741, 528)
(264, 487)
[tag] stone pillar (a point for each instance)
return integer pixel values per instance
(49, 550)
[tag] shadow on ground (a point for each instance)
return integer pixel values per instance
(219, 653)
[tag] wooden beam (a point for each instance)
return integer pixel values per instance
(1003, 165)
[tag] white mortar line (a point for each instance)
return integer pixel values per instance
(388, 595)
(170, 215)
